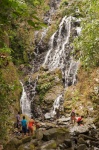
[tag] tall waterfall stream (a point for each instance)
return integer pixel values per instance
(58, 56)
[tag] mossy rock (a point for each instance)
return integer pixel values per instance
(26, 139)
(49, 145)
(32, 147)
(39, 134)
(13, 144)
(53, 93)
(55, 134)
(21, 147)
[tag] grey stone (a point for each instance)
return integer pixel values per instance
(82, 147)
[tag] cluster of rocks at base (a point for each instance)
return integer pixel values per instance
(57, 137)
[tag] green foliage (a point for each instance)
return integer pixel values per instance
(4, 106)
(14, 9)
(42, 89)
(87, 45)
(63, 3)
(5, 56)
(13, 14)
(9, 95)
(18, 50)
(74, 8)
(5, 50)
(75, 98)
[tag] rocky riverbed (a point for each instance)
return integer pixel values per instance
(59, 134)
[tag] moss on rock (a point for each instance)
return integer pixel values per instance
(82, 97)
(13, 144)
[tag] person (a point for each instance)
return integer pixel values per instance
(24, 126)
(31, 126)
(18, 120)
(79, 120)
(73, 116)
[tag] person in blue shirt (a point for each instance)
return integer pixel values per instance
(24, 126)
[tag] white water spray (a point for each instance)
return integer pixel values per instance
(56, 105)
(25, 103)
(59, 56)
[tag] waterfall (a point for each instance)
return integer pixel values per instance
(59, 53)
(54, 5)
(28, 95)
(25, 103)
(56, 105)
(29, 91)
(59, 56)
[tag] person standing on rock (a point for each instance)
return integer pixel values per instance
(73, 119)
(18, 120)
(24, 126)
(31, 124)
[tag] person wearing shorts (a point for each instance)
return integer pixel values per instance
(24, 126)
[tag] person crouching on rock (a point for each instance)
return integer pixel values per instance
(79, 120)
(31, 124)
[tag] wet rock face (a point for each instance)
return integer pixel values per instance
(54, 3)
(41, 47)
(49, 145)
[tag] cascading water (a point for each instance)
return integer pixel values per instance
(27, 97)
(56, 105)
(58, 55)
(29, 90)
(47, 20)
(25, 103)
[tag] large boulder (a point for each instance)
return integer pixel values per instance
(26, 139)
(82, 147)
(49, 145)
(39, 134)
(58, 134)
(13, 144)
